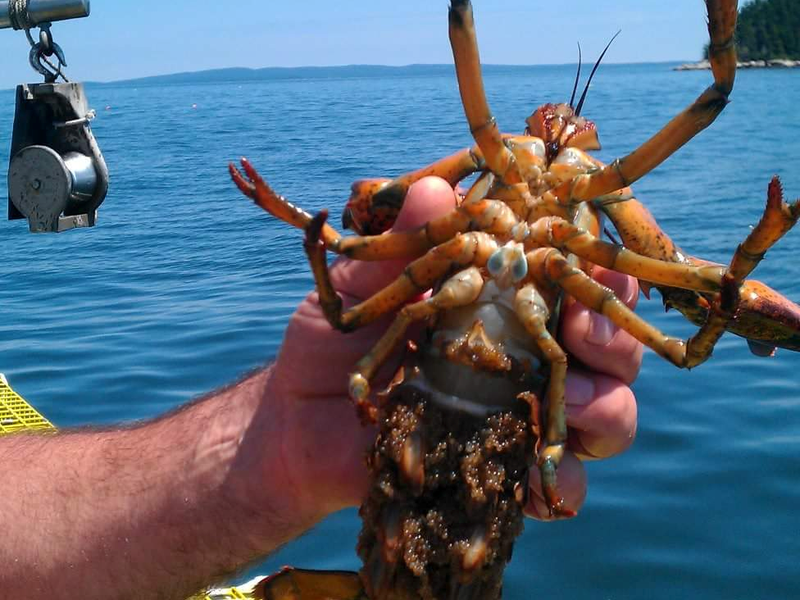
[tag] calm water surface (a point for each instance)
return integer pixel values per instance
(184, 286)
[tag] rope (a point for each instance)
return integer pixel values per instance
(18, 15)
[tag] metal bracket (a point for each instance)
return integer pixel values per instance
(57, 175)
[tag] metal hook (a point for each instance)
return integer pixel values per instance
(37, 57)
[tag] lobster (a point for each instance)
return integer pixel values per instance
(484, 393)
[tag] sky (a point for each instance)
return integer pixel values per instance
(124, 39)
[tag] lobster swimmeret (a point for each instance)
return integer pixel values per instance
(482, 399)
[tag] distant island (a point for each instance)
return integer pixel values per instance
(767, 35)
(239, 75)
(244, 75)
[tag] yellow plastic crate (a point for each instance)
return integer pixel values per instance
(18, 415)
(242, 592)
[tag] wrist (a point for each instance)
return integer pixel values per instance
(252, 439)
(313, 449)
(238, 460)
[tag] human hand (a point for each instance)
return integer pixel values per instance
(325, 442)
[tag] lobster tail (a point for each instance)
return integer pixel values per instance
(443, 529)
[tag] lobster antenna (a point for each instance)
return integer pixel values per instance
(594, 70)
(577, 78)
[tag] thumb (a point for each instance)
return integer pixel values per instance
(427, 199)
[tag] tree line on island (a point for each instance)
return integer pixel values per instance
(767, 30)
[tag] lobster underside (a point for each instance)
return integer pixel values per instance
(459, 427)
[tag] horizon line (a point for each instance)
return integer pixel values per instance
(355, 66)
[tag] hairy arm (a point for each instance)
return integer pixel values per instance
(154, 511)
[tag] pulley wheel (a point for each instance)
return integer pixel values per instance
(39, 185)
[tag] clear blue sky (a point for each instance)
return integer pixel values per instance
(128, 38)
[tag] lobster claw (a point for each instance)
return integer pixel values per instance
(348, 221)
(304, 584)
(761, 349)
(373, 205)
(766, 319)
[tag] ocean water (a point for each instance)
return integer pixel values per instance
(184, 286)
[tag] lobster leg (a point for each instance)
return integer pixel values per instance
(558, 233)
(258, 190)
(466, 249)
(778, 218)
(470, 84)
(476, 212)
(378, 247)
(637, 227)
(763, 315)
(461, 289)
(602, 300)
(374, 203)
(622, 172)
(683, 354)
(532, 310)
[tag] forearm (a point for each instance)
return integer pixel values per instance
(154, 511)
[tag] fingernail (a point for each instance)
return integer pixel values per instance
(629, 291)
(579, 390)
(626, 288)
(601, 330)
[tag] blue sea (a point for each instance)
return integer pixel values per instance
(184, 286)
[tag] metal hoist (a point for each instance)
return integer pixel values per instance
(57, 177)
